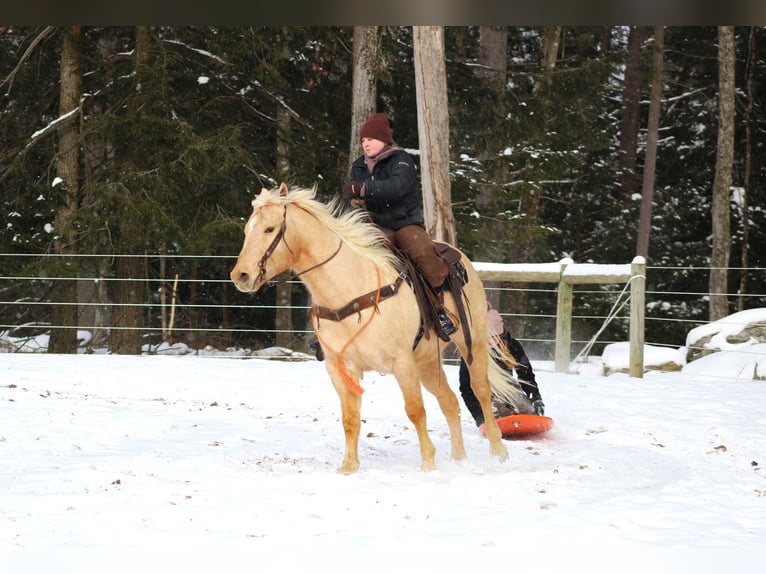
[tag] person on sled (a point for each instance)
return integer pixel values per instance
(499, 335)
(383, 181)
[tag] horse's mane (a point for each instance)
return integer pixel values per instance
(353, 226)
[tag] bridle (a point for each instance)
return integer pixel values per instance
(280, 236)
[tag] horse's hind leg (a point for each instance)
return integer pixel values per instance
(416, 412)
(481, 388)
(435, 381)
(350, 404)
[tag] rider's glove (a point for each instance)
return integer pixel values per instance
(355, 189)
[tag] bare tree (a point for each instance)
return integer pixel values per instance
(126, 337)
(551, 42)
(493, 44)
(550, 53)
(749, 78)
(367, 43)
(283, 322)
(64, 316)
(283, 318)
(433, 131)
(652, 133)
(530, 204)
(492, 70)
(719, 260)
(631, 105)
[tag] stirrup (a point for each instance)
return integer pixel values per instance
(446, 326)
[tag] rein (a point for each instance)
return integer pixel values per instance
(340, 244)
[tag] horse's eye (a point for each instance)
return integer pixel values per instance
(269, 230)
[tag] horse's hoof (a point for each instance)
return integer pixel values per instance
(499, 451)
(428, 466)
(459, 457)
(348, 468)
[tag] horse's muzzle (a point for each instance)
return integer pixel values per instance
(243, 281)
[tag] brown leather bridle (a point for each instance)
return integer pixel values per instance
(280, 236)
(270, 249)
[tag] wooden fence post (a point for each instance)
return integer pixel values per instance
(637, 312)
(563, 320)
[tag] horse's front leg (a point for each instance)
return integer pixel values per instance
(433, 378)
(350, 404)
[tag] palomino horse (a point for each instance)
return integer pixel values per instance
(343, 260)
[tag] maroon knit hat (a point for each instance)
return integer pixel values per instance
(377, 127)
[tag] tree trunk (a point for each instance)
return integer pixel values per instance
(550, 52)
(98, 161)
(367, 44)
(283, 319)
(493, 48)
(552, 39)
(719, 261)
(63, 337)
(492, 70)
(129, 287)
(631, 112)
(652, 133)
(433, 131)
(530, 204)
(745, 215)
(128, 296)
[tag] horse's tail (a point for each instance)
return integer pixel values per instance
(502, 382)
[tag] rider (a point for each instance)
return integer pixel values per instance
(500, 335)
(383, 180)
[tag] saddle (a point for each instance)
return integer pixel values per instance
(428, 301)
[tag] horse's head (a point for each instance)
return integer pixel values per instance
(265, 253)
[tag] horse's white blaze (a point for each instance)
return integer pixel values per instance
(250, 224)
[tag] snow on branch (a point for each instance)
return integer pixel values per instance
(55, 124)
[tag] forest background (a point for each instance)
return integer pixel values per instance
(128, 152)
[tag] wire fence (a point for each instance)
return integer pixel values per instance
(189, 300)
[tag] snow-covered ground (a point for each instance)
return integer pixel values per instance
(227, 464)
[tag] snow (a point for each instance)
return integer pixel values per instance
(617, 356)
(224, 463)
(52, 124)
(744, 364)
(565, 267)
(722, 329)
(550, 268)
(590, 269)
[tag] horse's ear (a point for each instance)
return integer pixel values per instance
(264, 192)
(283, 189)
